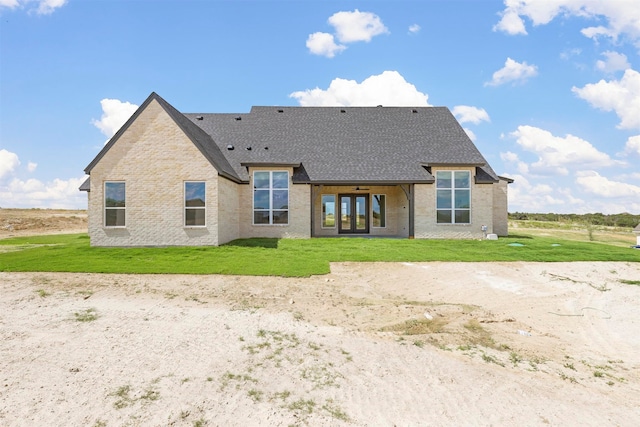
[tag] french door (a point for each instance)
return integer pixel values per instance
(354, 213)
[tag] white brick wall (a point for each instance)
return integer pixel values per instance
(500, 209)
(228, 210)
(299, 213)
(154, 158)
(425, 209)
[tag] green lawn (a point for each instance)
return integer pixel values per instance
(287, 257)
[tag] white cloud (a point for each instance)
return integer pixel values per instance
(593, 183)
(46, 7)
(324, 44)
(613, 62)
(632, 147)
(8, 162)
(114, 114)
(513, 71)
(468, 114)
(588, 192)
(41, 7)
(349, 27)
(388, 88)
(556, 154)
(33, 193)
(357, 26)
(540, 197)
(414, 29)
(511, 23)
(11, 4)
(513, 159)
(569, 53)
(472, 136)
(621, 96)
(621, 17)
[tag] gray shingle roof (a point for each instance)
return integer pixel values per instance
(354, 145)
(346, 144)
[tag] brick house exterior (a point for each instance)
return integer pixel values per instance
(173, 179)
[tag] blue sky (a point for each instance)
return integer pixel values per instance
(548, 90)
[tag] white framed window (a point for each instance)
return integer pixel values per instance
(270, 197)
(453, 205)
(379, 210)
(328, 211)
(195, 204)
(114, 204)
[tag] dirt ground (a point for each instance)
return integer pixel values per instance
(24, 222)
(370, 344)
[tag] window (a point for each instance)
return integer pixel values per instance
(270, 197)
(114, 204)
(453, 197)
(379, 209)
(328, 211)
(195, 202)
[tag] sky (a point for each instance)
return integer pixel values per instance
(548, 90)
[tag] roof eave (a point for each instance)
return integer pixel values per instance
(373, 182)
(433, 165)
(86, 185)
(269, 164)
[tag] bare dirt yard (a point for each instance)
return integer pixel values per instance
(370, 344)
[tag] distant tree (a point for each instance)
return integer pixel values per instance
(624, 220)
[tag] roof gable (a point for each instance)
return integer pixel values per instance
(200, 139)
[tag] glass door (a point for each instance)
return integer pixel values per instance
(354, 209)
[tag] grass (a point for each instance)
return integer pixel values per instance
(287, 257)
(581, 231)
(335, 411)
(479, 335)
(88, 315)
(515, 358)
(322, 376)
(255, 395)
(418, 327)
(42, 293)
(302, 405)
(124, 398)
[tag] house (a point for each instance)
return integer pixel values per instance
(168, 178)
(636, 231)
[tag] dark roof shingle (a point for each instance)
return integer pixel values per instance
(346, 144)
(329, 144)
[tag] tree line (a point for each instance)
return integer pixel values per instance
(615, 220)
